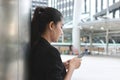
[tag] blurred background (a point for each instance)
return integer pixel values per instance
(91, 27)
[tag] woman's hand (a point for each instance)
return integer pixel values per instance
(71, 65)
(66, 64)
(74, 63)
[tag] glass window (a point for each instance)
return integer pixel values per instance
(104, 4)
(67, 1)
(117, 14)
(117, 0)
(111, 15)
(87, 5)
(110, 2)
(99, 5)
(83, 7)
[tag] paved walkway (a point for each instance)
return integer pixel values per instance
(96, 68)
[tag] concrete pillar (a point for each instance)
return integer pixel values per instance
(115, 46)
(107, 13)
(90, 40)
(107, 42)
(76, 20)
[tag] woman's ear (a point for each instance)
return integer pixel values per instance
(51, 25)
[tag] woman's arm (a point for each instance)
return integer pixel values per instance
(72, 65)
(69, 74)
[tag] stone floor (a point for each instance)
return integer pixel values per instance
(96, 68)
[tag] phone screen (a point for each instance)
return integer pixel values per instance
(80, 55)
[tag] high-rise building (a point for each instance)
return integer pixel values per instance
(36, 3)
(65, 7)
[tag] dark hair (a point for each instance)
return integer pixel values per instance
(41, 18)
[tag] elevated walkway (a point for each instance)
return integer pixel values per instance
(113, 7)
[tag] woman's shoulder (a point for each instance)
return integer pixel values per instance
(54, 51)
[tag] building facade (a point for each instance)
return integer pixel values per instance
(36, 3)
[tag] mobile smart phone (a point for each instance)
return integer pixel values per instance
(80, 55)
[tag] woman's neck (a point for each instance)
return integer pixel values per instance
(46, 37)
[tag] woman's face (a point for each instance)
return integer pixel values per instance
(57, 32)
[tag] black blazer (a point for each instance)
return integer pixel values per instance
(44, 62)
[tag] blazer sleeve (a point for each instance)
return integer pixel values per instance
(55, 66)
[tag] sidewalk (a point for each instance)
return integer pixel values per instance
(96, 68)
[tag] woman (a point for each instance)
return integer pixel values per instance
(44, 59)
